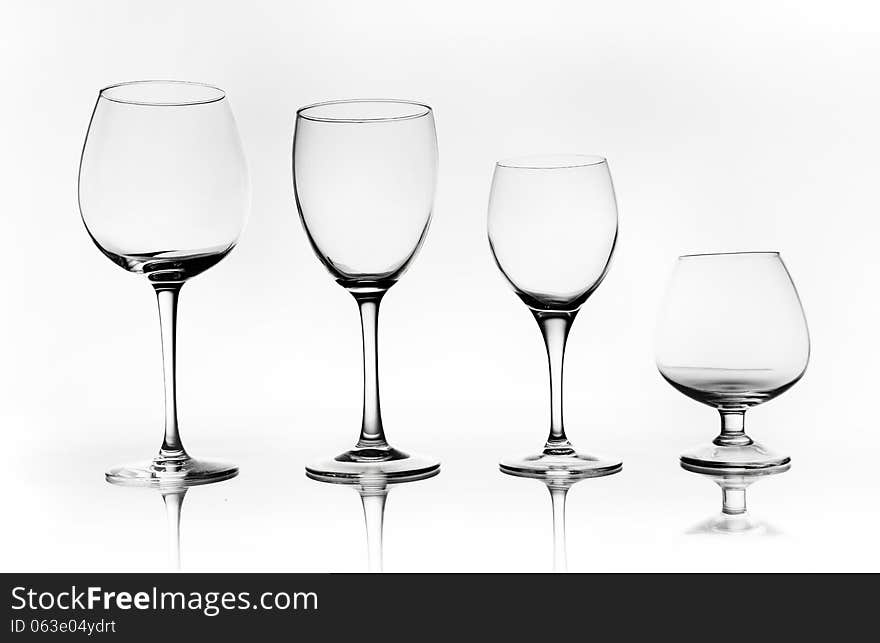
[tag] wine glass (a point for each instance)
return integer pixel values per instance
(364, 174)
(164, 192)
(732, 334)
(552, 230)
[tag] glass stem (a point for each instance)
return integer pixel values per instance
(733, 432)
(167, 294)
(373, 500)
(554, 328)
(372, 433)
(557, 499)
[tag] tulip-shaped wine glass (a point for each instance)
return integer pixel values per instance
(364, 174)
(552, 230)
(732, 334)
(164, 192)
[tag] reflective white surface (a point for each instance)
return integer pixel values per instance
(727, 127)
(470, 517)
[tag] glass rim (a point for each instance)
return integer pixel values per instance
(730, 254)
(424, 110)
(543, 161)
(217, 93)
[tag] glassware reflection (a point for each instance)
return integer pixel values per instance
(373, 488)
(734, 517)
(558, 487)
(373, 493)
(173, 492)
(173, 499)
(558, 492)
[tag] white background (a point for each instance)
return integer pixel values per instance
(728, 126)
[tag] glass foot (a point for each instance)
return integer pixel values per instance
(735, 459)
(179, 473)
(388, 463)
(570, 466)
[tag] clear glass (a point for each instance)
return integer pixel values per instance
(732, 334)
(164, 192)
(553, 229)
(364, 174)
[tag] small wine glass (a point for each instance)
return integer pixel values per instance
(164, 192)
(732, 334)
(552, 231)
(364, 174)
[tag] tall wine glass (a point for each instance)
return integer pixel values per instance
(364, 174)
(732, 334)
(552, 230)
(164, 193)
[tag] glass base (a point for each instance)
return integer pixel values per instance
(177, 473)
(747, 459)
(572, 466)
(387, 463)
